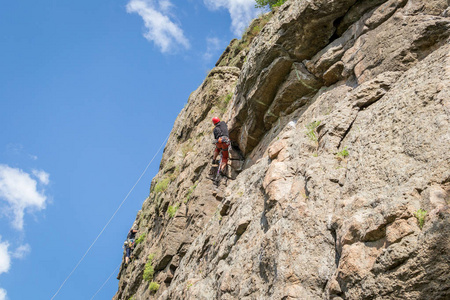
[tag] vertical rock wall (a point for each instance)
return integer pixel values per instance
(342, 111)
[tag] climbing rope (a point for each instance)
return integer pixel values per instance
(101, 232)
(104, 283)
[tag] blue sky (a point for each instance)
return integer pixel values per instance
(88, 92)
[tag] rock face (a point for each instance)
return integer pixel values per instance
(341, 111)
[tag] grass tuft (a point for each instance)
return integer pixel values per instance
(161, 186)
(153, 286)
(140, 239)
(172, 210)
(420, 215)
(342, 154)
(311, 130)
(149, 271)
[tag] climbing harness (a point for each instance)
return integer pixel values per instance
(224, 139)
(129, 243)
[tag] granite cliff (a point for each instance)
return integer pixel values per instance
(339, 113)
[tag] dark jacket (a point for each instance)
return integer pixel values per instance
(131, 234)
(220, 130)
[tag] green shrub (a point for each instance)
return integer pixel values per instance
(269, 3)
(149, 271)
(161, 186)
(153, 286)
(420, 215)
(279, 3)
(311, 130)
(140, 239)
(172, 210)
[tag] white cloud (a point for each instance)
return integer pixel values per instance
(42, 176)
(164, 32)
(5, 259)
(20, 193)
(22, 251)
(165, 5)
(2, 294)
(213, 45)
(241, 12)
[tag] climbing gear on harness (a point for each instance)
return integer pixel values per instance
(215, 163)
(129, 243)
(223, 139)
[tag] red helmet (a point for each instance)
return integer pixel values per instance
(215, 120)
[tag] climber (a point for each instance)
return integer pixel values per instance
(129, 243)
(222, 142)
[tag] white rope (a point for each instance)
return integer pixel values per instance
(87, 251)
(106, 281)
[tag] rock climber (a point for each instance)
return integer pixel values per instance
(129, 243)
(222, 142)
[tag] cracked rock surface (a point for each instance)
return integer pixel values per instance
(339, 112)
